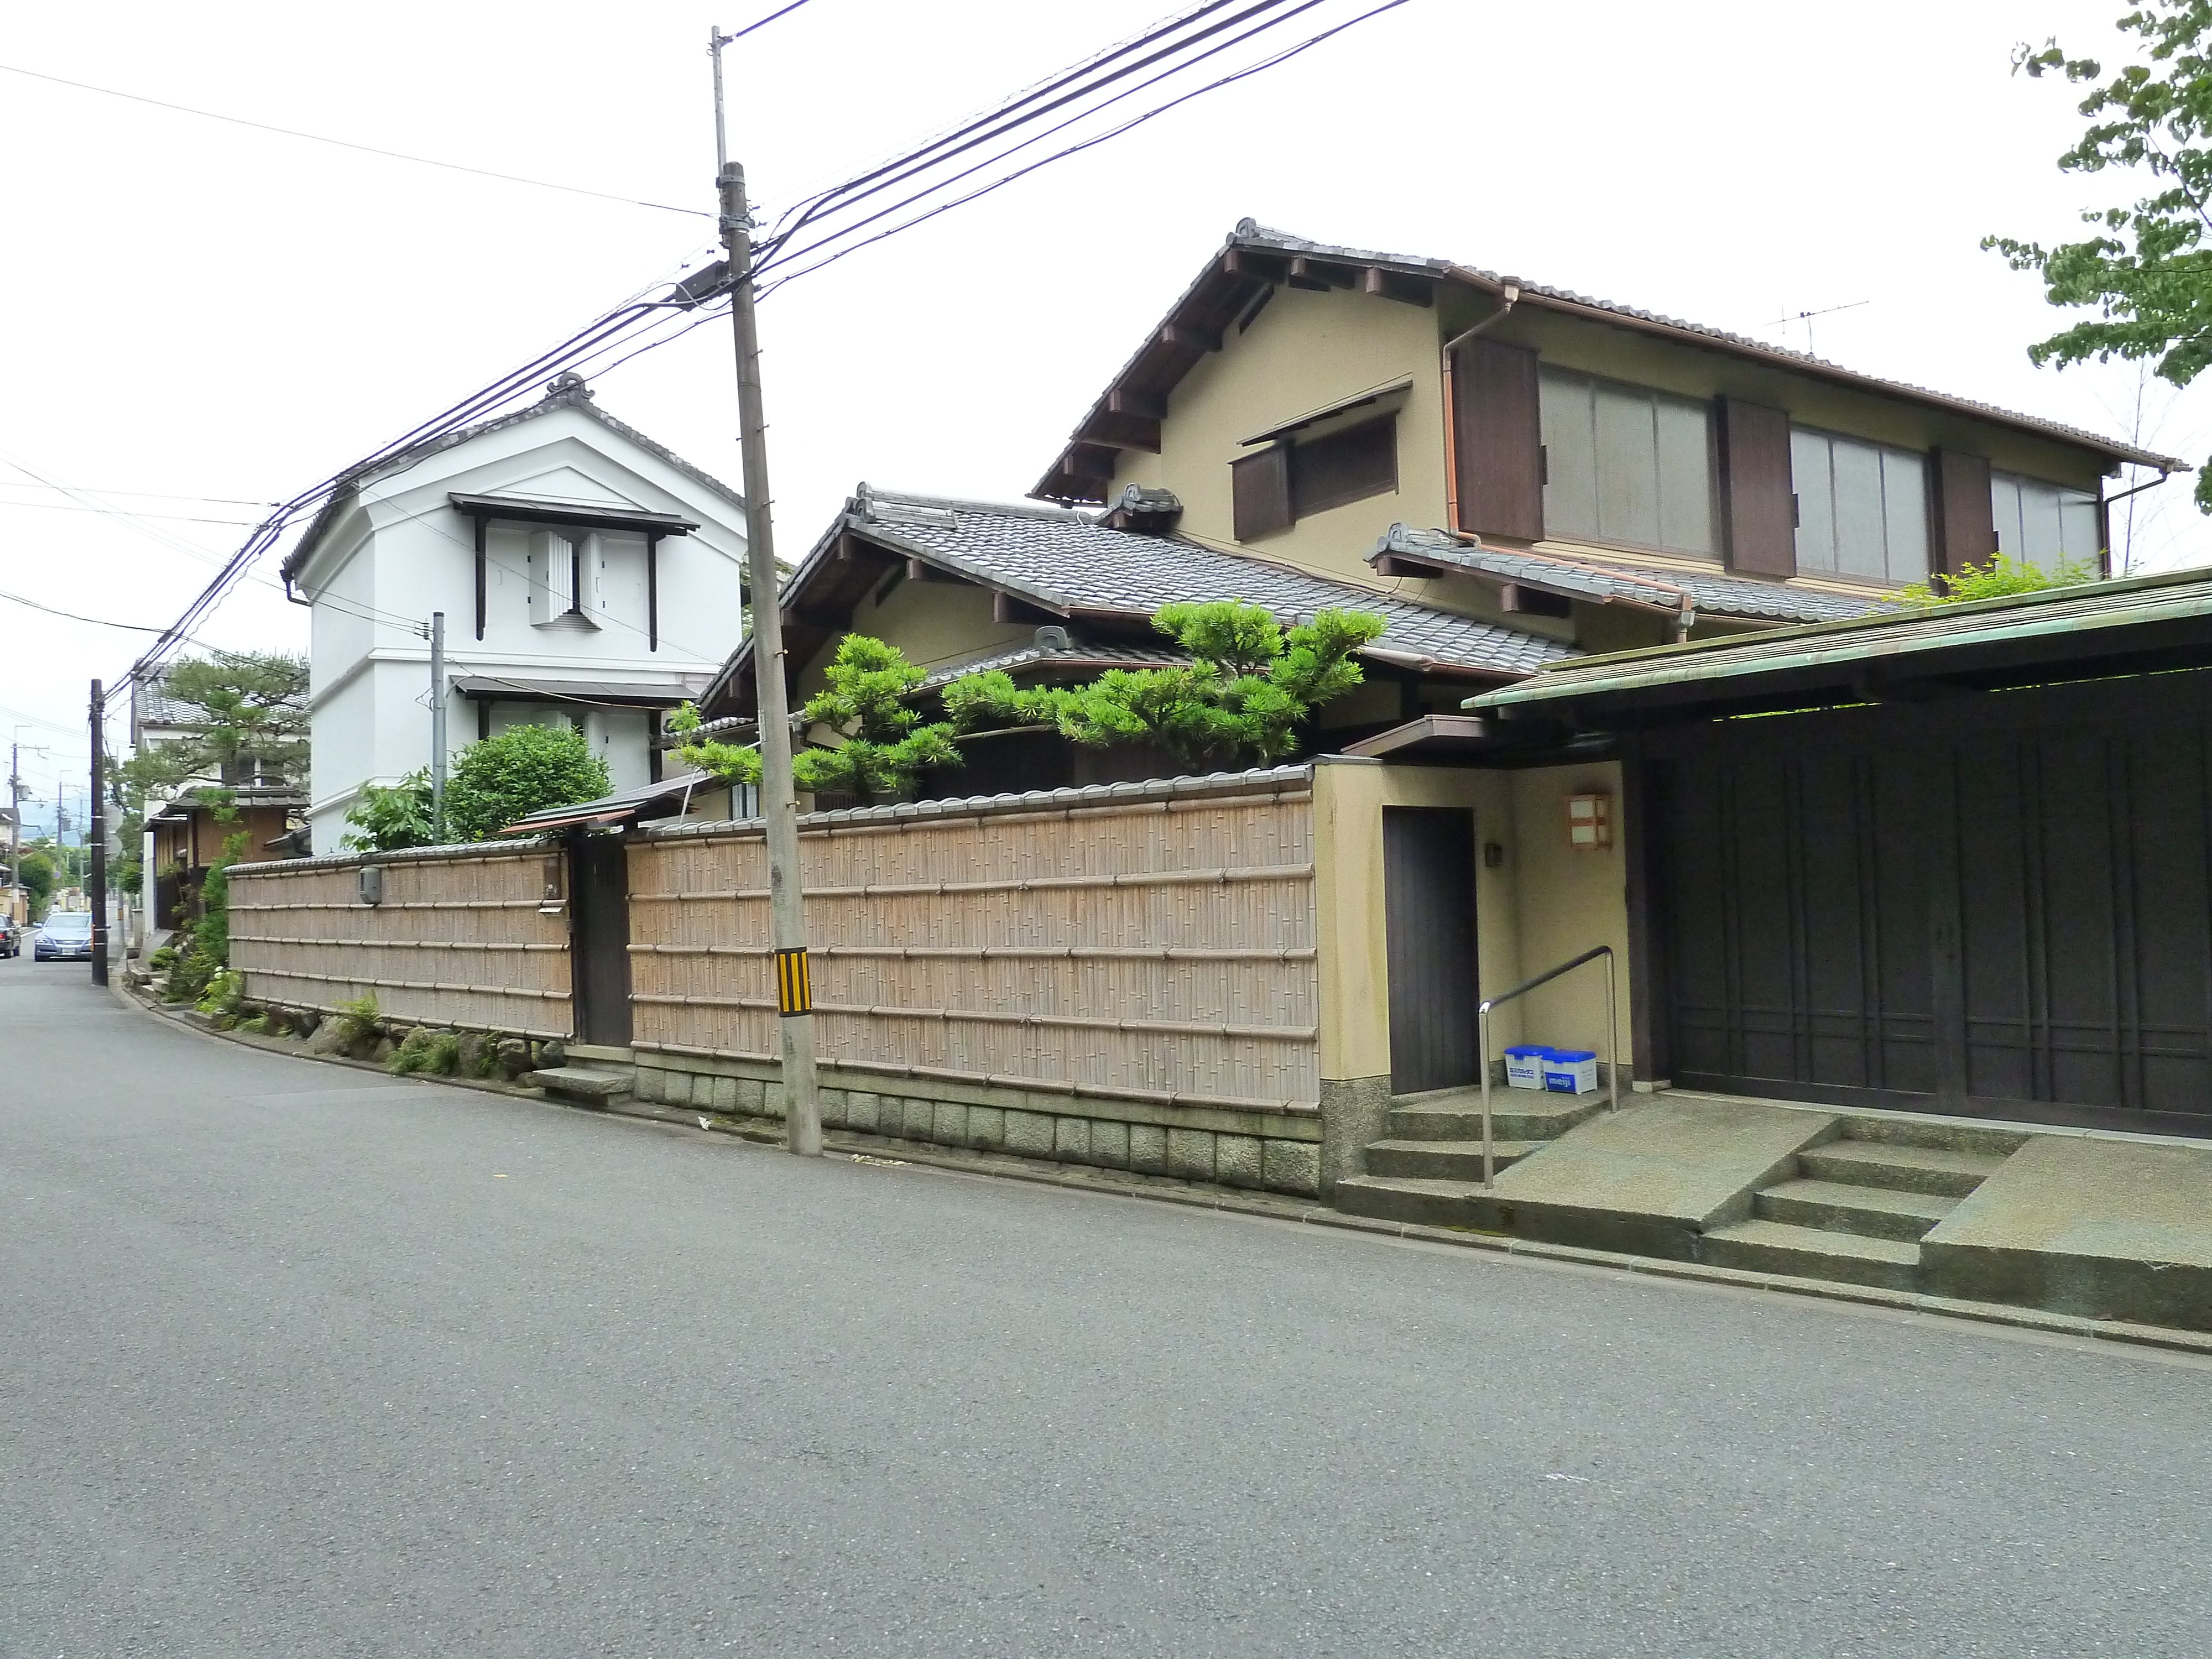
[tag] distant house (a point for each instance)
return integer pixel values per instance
(187, 827)
(587, 575)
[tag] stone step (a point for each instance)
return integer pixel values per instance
(574, 1083)
(1444, 1160)
(1776, 1246)
(1422, 1201)
(602, 1053)
(1842, 1207)
(1949, 1171)
(1515, 1115)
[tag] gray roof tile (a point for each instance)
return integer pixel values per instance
(1070, 562)
(1714, 591)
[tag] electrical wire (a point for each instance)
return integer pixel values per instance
(97, 622)
(754, 27)
(342, 144)
(1271, 62)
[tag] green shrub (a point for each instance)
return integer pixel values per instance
(357, 1019)
(426, 1050)
(257, 1026)
(525, 769)
(163, 959)
(225, 990)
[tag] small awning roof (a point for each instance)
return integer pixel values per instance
(1341, 406)
(662, 799)
(615, 693)
(2135, 626)
(516, 510)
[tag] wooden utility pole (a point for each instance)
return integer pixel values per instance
(96, 830)
(794, 995)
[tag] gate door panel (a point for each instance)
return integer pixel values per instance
(598, 892)
(1428, 900)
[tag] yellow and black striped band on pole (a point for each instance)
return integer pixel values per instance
(795, 985)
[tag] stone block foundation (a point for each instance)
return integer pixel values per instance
(1268, 1152)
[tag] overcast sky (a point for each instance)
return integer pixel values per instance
(227, 316)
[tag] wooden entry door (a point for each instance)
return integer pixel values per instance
(1428, 904)
(599, 894)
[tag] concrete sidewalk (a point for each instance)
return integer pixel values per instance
(2093, 1225)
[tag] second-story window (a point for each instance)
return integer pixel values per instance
(1627, 466)
(1862, 508)
(2043, 524)
(1273, 488)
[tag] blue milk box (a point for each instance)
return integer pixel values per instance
(1570, 1070)
(1524, 1064)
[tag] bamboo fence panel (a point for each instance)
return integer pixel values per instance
(1160, 949)
(458, 939)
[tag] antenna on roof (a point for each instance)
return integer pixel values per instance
(1807, 317)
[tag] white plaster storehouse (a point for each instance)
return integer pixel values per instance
(587, 575)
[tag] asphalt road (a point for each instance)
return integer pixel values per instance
(298, 1360)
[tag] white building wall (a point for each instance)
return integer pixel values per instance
(409, 552)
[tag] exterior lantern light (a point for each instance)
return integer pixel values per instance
(1589, 823)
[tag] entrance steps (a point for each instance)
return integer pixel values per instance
(590, 1075)
(1429, 1160)
(1855, 1209)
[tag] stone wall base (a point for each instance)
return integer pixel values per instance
(1276, 1152)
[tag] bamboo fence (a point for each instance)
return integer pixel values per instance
(1158, 948)
(458, 939)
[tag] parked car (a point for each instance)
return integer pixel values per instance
(11, 937)
(63, 936)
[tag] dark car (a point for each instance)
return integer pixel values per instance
(11, 937)
(63, 936)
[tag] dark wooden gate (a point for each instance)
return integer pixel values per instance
(599, 897)
(1995, 904)
(1428, 900)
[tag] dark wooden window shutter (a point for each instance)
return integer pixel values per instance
(1966, 531)
(1260, 490)
(1499, 441)
(1348, 466)
(1758, 505)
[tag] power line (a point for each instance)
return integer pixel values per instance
(1268, 62)
(118, 511)
(143, 495)
(342, 144)
(96, 622)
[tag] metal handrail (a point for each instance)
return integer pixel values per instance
(1612, 1037)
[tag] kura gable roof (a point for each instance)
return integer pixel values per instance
(1255, 259)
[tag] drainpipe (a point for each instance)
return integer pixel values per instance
(1686, 617)
(1508, 295)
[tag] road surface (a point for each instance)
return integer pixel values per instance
(300, 1360)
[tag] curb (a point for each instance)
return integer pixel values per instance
(1190, 1195)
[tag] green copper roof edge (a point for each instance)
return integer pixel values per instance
(1741, 654)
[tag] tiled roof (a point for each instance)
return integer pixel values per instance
(1161, 359)
(1082, 659)
(1714, 591)
(1068, 561)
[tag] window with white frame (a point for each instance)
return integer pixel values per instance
(1625, 465)
(2042, 524)
(1862, 508)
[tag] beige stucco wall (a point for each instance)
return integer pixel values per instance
(1305, 351)
(933, 623)
(1545, 903)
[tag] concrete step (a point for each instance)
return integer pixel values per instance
(1415, 1199)
(1775, 1247)
(1937, 1133)
(574, 1083)
(1515, 1115)
(1841, 1207)
(1444, 1160)
(1949, 1171)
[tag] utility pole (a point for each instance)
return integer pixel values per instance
(794, 993)
(438, 726)
(16, 907)
(96, 821)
